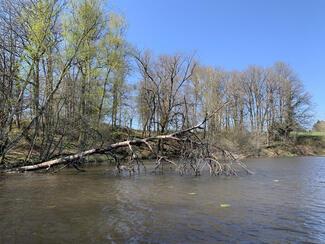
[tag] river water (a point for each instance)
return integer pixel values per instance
(284, 201)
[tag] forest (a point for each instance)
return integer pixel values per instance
(71, 82)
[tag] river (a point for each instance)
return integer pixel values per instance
(284, 201)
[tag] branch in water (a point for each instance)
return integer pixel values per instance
(195, 154)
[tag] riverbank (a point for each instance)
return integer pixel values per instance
(300, 146)
(241, 145)
(284, 150)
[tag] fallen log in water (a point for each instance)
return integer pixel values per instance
(195, 154)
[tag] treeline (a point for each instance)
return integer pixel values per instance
(265, 103)
(63, 82)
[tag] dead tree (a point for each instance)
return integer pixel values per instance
(195, 154)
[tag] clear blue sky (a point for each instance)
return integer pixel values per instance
(236, 33)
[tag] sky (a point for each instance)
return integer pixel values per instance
(234, 34)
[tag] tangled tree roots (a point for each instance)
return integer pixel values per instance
(195, 154)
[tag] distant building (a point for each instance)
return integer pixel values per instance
(319, 126)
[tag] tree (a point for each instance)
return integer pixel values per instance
(86, 15)
(11, 86)
(208, 86)
(115, 65)
(294, 102)
(319, 126)
(163, 83)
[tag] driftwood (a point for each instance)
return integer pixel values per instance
(195, 154)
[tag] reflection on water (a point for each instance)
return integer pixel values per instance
(283, 202)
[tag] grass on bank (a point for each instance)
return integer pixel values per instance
(309, 133)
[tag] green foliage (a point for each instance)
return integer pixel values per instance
(112, 46)
(86, 21)
(39, 19)
(308, 133)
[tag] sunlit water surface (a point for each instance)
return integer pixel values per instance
(284, 201)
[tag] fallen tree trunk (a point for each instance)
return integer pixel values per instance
(195, 154)
(107, 150)
(93, 151)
